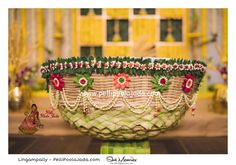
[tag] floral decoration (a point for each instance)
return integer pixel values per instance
(84, 82)
(57, 81)
(137, 65)
(131, 64)
(106, 65)
(157, 66)
(188, 83)
(150, 66)
(125, 64)
(121, 80)
(128, 65)
(160, 83)
(143, 67)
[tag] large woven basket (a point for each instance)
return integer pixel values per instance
(157, 95)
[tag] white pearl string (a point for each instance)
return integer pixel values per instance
(131, 107)
(69, 108)
(104, 107)
(159, 100)
(66, 100)
(169, 105)
(190, 101)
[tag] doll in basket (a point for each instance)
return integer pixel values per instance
(31, 123)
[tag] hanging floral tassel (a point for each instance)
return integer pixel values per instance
(158, 109)
(193, 110)
(85, 109)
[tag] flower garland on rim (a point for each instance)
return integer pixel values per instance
(127, 65)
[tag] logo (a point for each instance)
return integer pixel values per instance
(121, 160)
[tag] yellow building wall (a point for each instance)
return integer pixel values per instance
(91, 31)
(117, 13)
(175, 50)
(144, 28)
(115, 51)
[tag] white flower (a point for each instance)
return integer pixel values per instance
(157, 66)
(164, 66)
(118, 64)
(99, 64)
(61, 66)
(125, 64)
(169, 67)
(176, 66)
(150, 66)
(65, 65)
(190, 66)
(186, 67)
(131, 64)
(86, 64)
(93, 62)
(143, 67)
(53, 66)
(71, 66)
(137, 65)
(196, 66)
(181, 67)
(42, 69)
(76, 65)
(112, 63)
(203, 69)
(106, 65)
(80, 64)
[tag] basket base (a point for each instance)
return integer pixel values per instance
(125, 147)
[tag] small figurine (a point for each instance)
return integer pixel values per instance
(31, 123)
